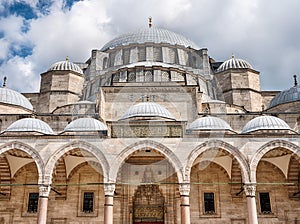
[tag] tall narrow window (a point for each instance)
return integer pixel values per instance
(265, 204)
(88, 202)
(33, 201)
(209, 203)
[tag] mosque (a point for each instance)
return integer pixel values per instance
(150, 129)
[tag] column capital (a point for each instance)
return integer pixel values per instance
(184, 189)
(250, 189)
(109, 189)
(44, 191)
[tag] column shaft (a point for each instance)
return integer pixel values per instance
(108, 209)
(42, 211)
(185, 209)
(250, 189)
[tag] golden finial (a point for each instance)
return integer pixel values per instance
(232, 55)
(150, 22)
(295, 80)
(4, 81)
(67, 58)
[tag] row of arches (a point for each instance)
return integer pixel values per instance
(248, 166)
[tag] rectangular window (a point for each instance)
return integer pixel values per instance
(88, 202)
(209, 203)
(33, 201)
(265, 204)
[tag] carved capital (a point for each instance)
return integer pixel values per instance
(250, 189)
(44, 191)
(184, 189)
(109, 189)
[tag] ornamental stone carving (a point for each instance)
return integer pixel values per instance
(250, 189)
(184, 189)
(44, 191)
(109, 189)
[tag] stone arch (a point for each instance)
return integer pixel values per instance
(30, 151)
(217, 144)
(268, 147)
(170, 156)
(50, 165)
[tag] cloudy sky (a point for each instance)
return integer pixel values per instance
(36, 33)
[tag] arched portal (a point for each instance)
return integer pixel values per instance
(147, 189)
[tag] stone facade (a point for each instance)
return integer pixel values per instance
(149, 166)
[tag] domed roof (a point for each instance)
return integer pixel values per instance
(65, 66)
(85, 124)
(234, 63)
(209, 123)
(149, 35)
(286, 96)
(147, 109)
(30, 125)
(12, 97)
(265, 123)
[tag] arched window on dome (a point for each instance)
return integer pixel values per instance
(104, 63)
(148, 76)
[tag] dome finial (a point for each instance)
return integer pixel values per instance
(232, 55)
(295, 80)
(67, 58)
(4, 81)
(150, 22)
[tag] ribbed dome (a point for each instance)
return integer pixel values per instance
(65, 66)
(30, 125)
(85, 124)
(265, 123)
(147, 109)
(209, 123)
(12, 97)
(234, 63)
(286, 96)
(149, 35)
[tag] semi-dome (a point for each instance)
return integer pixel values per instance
(85, 125)
(30, 125)
(12, 97)
(65, 66)
(209, 123)
(265, 123)
(149, 35)
(234, 63)
(286, 96)
(147, 109)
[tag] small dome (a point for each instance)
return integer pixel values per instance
(85, 124)
(265, 123)
(286, 96)
(149, 35)
(209, 123)
(12, 97)
(65, 66)
(30, 125)
(147, 109)
(234, 63)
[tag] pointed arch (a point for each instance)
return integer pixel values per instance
(50, 165)
(170, 156)
(268, 147)
(217, 144)
(34, 154)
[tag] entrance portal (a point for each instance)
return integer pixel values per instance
(148, 205)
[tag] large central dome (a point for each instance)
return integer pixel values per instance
(149, 35)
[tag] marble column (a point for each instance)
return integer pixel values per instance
(184, 189)
(44, 191)
(109, 190)
(250, 189)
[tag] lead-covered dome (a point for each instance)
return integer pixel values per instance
(147, 109)
(12, 97)
(149, 35)
(265, 123)
(209, 123)
(65, 66)
(85, 125)
(286, 96)
(234, 63)
(30, 125)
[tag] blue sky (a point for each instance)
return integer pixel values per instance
(35, 34)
